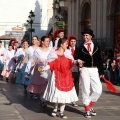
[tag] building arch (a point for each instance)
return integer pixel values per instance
(113, 14)
(85, 15)
(113, 21)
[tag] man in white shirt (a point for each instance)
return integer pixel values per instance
(75, 69)
(59, 33)
(90, 72)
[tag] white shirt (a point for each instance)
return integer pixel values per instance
(91, 45)
(2, 54)
(51, 44)
(74, 67)
(56, 42)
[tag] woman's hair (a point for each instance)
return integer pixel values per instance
(35, 36)
(24, 41)
(61, 41)
(44, 37)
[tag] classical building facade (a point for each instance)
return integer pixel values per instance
(103, 16)
(14, 14)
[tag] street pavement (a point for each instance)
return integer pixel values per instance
(14, 105)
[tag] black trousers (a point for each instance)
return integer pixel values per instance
(76, 81)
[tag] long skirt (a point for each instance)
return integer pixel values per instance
(52, 94)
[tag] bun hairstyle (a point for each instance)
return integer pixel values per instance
(24, 41)
(61, 41)
(35, 36)
(44, 37)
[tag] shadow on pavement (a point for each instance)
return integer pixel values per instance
(15, 95)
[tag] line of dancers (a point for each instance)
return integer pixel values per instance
(53, 72)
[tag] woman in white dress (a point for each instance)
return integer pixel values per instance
(60, 89)
(40, 78)
(29, 59)
(2, 53)
(9, 63)
(19, 55)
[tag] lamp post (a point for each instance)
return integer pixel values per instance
(58, 6)
(62, 3)
(30, 20)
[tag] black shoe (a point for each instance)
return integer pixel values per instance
(7, 79)
(74, 104)
(25, 92)
(92, 112)
(87, 115)
(31, 94)
(35, 97)
(54, 113)
(1, 76)
(61, 115)
(43, 103)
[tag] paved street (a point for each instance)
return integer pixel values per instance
(14, 105)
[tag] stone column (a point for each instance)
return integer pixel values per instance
(69, 17)
(77, 18)
(94, 16)
(73, 16)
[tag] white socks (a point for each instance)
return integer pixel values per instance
(62, 107)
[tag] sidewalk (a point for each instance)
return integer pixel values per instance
(16, 106)
(7, 109)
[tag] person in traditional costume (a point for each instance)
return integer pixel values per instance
(59, 33)
(75, 68)
(12, 40)
(29, 59)
(19, 55)
(90, 72)
(2, 53)
(40, 79)
(16, 45)
(9, 63)
(60, 89)
(51, 40)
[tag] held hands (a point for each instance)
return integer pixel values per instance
(101, 76)
(81, 63)
(27, 77)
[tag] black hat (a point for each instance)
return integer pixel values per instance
(88, 31)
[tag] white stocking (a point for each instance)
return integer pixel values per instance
(62, 107)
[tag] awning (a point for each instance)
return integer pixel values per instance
(5, 37)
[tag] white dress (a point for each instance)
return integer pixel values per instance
(19, 55)
(2, 54)
(9, 64)
(60, 88)
(40, 79)
(9, 56)
(29, 52)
